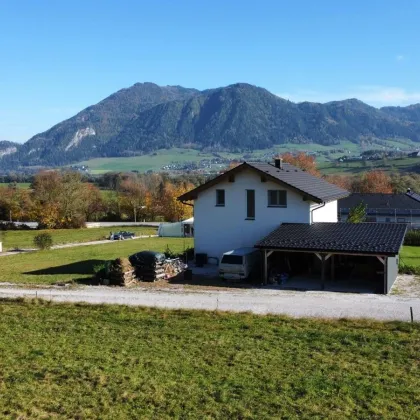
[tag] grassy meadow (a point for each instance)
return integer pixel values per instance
(77, 264)
(410, 255)
(113, 362)
(155, 161)
(23, 239)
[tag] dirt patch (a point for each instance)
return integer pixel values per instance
(406, 285)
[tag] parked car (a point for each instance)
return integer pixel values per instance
(119, 236)
(239, 264)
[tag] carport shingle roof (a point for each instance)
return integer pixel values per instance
(356, 238)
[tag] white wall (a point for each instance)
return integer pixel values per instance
(327, 213)
(220, 229)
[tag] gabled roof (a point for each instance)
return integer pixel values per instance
(314, 188)
(382, 201)
(352, 238)
(413, 195)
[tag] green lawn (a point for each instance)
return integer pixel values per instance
(109, 362)
(77, 264)
(410, 255)
(23, 239)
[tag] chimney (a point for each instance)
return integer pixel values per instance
(408, 190)
(278, 163)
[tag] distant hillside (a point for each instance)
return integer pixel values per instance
(81, 136)
(8, 148)
(240, 117)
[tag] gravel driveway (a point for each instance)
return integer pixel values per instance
(260, 301)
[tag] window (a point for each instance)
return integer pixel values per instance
(400, 219)
(277, 198)
(250, 204)
(220, 198)
(232, 259)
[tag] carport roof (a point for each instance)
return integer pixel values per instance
(351, 238)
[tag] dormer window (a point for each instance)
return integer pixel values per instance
(277, 198)
(220, 198)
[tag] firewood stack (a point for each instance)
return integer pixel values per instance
(149, 265)
(121, 273)
(173, 267)
(151, 273)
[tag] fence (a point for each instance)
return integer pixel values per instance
(390, 215)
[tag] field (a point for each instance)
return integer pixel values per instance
(156, 161)
(80, 361)
(161, 158)
(401, 165)
(77, 264)
(144, 163)
(23, 239)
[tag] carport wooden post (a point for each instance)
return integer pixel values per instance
(323, 258)
(266, 255)
(322, 271)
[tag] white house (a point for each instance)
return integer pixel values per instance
(291, 216)
(243, 205)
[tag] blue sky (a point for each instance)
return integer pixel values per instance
(57, 57)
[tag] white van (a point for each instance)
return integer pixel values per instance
(240, 264)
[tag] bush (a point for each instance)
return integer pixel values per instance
(186, 255)
(412, 238)
(43, 241)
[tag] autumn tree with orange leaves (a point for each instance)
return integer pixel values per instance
(303, 161)
(373, 182)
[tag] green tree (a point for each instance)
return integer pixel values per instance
(357, 214)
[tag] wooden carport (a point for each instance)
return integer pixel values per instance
(328, 240)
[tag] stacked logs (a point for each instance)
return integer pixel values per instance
(121, 273)
(152, 272)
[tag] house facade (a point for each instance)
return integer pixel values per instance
(247, 203)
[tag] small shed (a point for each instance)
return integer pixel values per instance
(336, 249)
(177, 229)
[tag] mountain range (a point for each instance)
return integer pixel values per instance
(240, 117)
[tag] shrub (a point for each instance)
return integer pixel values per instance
(412, 238)
(43, 241)
(186, 255)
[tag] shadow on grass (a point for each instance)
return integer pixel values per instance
(77, 268)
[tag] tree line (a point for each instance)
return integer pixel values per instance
(66, 200)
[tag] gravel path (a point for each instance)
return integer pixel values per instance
(260, 301)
